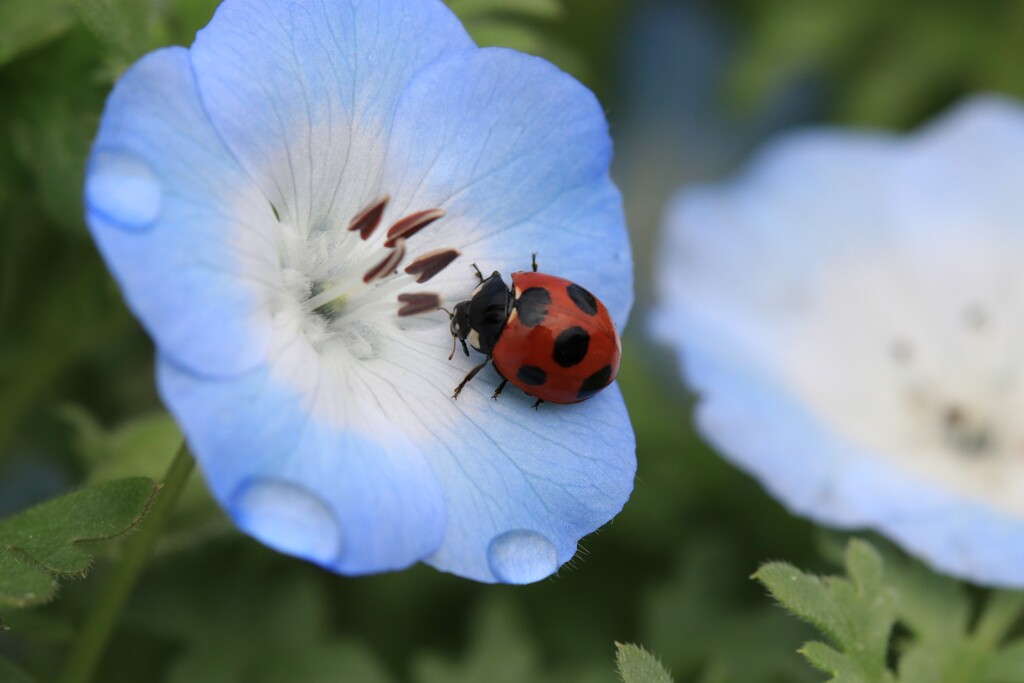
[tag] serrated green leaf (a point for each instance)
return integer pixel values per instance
(858, 613)
(637, 665)
(25, 25)
(804, 595)
(934, 608)
(54, 538)
(22, 583)
(683, 620)
(831, 661)
(12, 673)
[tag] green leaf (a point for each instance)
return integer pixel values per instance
(708, 595)
(25, 25)
(11, 673)
(637, 665)
(54, 539)
(858, 613)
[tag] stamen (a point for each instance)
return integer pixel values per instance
(387, 265)
(430, 264)
(419, 302)
(411, 224)
(367, 220)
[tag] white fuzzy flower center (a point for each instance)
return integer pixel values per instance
(337, 281)
(924, 366)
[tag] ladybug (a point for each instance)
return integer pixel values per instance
(547, 335)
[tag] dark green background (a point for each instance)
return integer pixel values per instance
(689, 88)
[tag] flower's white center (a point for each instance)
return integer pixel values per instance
(337, 281)
(921, 363)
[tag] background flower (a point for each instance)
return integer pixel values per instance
(850, 313)
(221, 189)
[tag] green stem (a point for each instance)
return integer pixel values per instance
(1003, 610)
(92, 638)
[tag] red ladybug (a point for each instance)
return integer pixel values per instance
(547, 335)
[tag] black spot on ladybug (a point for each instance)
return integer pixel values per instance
(532, 375)
(533, 306)
(583, 299)
(571, 346)
(595, 383)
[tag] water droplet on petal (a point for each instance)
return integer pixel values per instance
(123, 189)
(522, 556)
(288, 518)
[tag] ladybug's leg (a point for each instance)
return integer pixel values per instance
(537, 404)
(497, 391)
(464, 348)
(533, 261)
(471, 375)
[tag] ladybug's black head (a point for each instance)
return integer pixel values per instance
(460, 320)
(480, 319)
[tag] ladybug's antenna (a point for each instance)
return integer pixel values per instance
(442, 308)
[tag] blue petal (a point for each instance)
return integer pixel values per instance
(521, 486)
(524, 486)
(303, 92)
(177, 221)
(517, 153)
(340, 486)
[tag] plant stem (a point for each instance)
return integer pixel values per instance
(1003, 610)
(92, 638)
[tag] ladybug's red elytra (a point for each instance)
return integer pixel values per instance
(547, 335)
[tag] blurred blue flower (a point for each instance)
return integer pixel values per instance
(233, 189)
(851, 314)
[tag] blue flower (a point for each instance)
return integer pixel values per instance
(241, 192)
(851, 313)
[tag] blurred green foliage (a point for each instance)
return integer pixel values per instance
(881, 63)
(78, 403)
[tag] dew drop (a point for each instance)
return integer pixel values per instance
(288, 518)
(123, 190)
(522, 556)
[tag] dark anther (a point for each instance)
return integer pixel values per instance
(387, 265)
(420, 302)
(411, 224)
(367, 220)
(431, 263)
